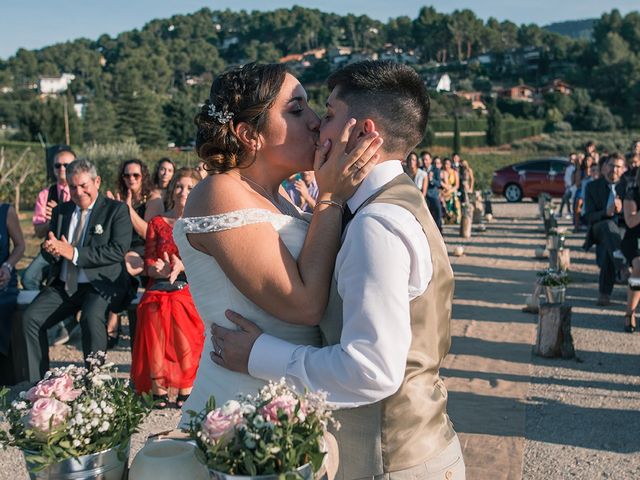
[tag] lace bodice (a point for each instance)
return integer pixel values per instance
(213, 293)
(235, 219)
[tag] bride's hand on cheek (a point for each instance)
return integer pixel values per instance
(339, 173)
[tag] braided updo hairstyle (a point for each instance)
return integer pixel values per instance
(247, 92)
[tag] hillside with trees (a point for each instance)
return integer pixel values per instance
(146, 84)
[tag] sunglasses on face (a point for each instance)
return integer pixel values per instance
(58, 166)
(131, 175)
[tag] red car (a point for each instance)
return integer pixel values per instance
(530, 179)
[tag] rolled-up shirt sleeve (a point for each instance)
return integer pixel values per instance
(373, 272)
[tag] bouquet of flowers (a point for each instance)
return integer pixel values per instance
(553, 278)
(275, 432)
(74, 411)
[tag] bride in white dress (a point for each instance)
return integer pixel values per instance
(244, 246)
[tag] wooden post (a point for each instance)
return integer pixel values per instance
(475, 198)
(564, 260)
(466, 221)
(554, 331)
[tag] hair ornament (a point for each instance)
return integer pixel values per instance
(221, 116)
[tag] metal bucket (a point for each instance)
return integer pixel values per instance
(555, 294)
(305, 472)
(103, 465)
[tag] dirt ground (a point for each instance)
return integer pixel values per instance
(518, 415)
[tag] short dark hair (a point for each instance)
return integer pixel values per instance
(390, 93)
(63, 149)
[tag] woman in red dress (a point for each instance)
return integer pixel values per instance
(170, 333)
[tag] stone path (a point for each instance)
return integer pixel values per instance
(521, 416)
(518, 415)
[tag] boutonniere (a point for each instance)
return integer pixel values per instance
(97, 230)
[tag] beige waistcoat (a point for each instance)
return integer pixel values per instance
(411, 426)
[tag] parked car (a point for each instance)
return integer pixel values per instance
(530, 179)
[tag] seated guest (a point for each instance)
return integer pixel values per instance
(603, 210)
(85, 246)
(134, 188)
(450, 188)
(161, 178)
(580, 175)
(425, 161)
(631, 208)
(169, 334)
(10, 232)
(47, 200)
(308, 190)
(200, 168)
(419, 177)
(434, 192)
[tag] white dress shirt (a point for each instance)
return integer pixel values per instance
(383, 264)
(73, 224)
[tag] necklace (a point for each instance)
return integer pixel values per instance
(285, 210)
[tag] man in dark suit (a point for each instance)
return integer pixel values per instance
(85, 246)
(603, 211)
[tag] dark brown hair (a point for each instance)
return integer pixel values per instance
(146, 179)
(180, 173)
(390, 93)
(246, 92)
(156, 172)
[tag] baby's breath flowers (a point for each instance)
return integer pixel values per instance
(274, 432)
(74, 411)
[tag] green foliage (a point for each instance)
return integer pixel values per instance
(494, 126)
(457, 144)
(179, 113)
(566, 142)
(107, 158)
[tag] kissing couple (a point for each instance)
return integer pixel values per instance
(355, 299)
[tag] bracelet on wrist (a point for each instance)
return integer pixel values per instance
(8, 266)
(329, 202)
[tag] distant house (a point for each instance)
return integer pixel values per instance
(439, 83)
(558, 86)
(475, 98)
(294, 57)
(520, 93)
(5, 89)
(227, 42)
(55, 85)
(337, 55)
(80, 109)
(527, 57)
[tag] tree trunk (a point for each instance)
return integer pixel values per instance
(554, 332)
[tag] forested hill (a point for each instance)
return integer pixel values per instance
(146, 83)
(578, 29)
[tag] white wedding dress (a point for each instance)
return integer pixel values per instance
(213, 293)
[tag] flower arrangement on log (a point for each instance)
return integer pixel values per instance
(553, 278)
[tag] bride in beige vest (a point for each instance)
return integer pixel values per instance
(386, 330)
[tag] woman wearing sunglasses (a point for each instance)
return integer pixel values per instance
(134, 188)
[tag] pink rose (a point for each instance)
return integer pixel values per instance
(217, 423)
(286, 403)
(55, 387)
(47, 414)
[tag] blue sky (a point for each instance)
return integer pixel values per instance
(37, 23)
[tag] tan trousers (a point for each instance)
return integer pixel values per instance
(449, 465)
